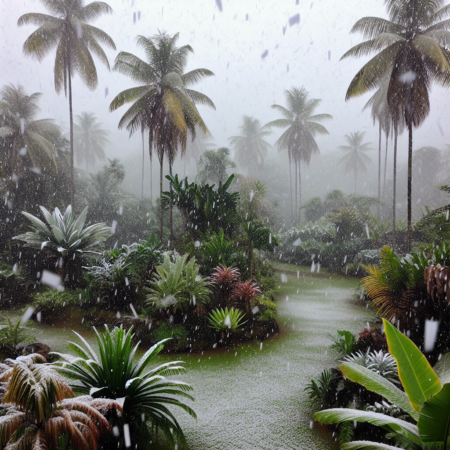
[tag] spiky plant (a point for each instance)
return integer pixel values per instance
(40, 412)
(113, 373)
(243, 293)
(64, 237)
(178, 283)
(226, 319)
(223, 279)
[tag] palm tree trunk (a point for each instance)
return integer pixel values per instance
(379, 168)
(355, 180)
(409, 242)
(395, 188)
(72, 171)
(171, 204)
(300, 191)
(290, 186)
(150, 145)
(142, 190)
(161, 164)
(296, 190)
(385, 167)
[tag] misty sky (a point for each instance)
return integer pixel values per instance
(231, 43)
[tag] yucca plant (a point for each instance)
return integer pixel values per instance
(423, 398)
(40, 412)
(113, 373)
(226, 319)
(64, 237)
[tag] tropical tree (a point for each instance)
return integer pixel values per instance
(113, 373)
(24, 141)
(250, 146)
(39, 411)
(89, 139)
(355, 159)
(298, 139)
(412, 52)
(64, 237)
(424, 400)
(162, 104)
(214, 165)
(75, 41)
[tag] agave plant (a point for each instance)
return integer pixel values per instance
(226, 319)
(39, 411)
(64, 237)
(423, 398)
(113, 373)
(178, 283)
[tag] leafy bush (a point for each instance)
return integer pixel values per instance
(12, 334)
(223, 280)
(423, 399)
(53, 302)
(14, 284)
(177, 333)
(267, 309)
(345, 343)
(178, 284)
(243, 294)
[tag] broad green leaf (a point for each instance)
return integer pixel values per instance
(366, 445)
(376, 383)
(434, 421)
(401, 427)
(418, 378)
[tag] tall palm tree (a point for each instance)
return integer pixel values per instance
(355, 159)
(75, 41)
(299, 137)
(162, 103)
(412, 51)
(24, 142)
(250, 146)
(89, 138)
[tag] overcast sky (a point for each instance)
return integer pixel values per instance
(254, 51)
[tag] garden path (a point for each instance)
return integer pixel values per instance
(252, 396)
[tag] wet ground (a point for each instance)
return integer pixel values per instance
(252, 396)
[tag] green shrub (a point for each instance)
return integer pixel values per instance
(52, 301)
(12, 334)
(345, 343)
(178, 333)
(267, 309)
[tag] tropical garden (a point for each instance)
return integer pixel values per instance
(272, 248)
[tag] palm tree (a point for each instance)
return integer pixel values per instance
(355, 159)
(299, 137)
(250, 146)
(41, 413)
(89, 139)
(412, 52)
(23, 140)
(75, 41)
(162, 103)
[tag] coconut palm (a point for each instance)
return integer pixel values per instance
(89, 139)
(39, 411)
(412, 52)
(24, 141)
(355, 159)
(250, 146)
(299, 137)
(75, 41)
(162, 103)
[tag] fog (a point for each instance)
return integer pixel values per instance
(253, 48)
